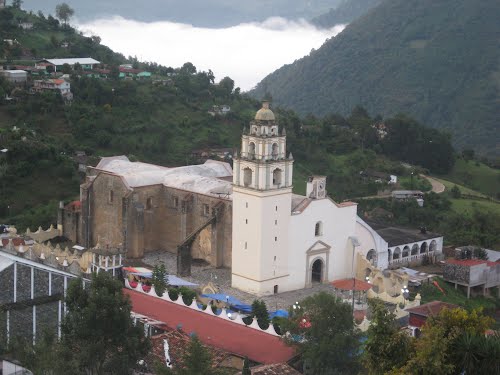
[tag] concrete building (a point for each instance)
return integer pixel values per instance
(472, 274)
(87, 63)
(15, 76)
(60, 85)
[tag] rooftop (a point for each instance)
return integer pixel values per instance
(350, 284)
(396, 236)
(207, 178)
(213, 331)
(431, 309)
(274, 369)
(471, 262)
(72, 61)
(265, 114)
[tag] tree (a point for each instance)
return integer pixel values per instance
(455, 192)
(435, 349)
(188, 69)
(159, 279)
(246, 367)
(226, 85)
(259, 310)
(330, 343)
(17, 4)
(197, 360)
(386, 346)
(66, 68)
(97, 331)
(64, 12)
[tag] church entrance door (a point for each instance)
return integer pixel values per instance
(317, 271)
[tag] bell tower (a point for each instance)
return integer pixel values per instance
(262, 194)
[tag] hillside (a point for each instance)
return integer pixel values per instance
(435, 60)
(346, 12)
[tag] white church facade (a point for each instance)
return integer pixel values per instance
(283, 241)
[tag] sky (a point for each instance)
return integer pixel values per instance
(247, 52)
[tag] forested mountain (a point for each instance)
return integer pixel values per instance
(435, 60)
(346, 12)
(203, 13)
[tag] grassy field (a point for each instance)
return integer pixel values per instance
(463, 189)
(465, 206)
(476, 176)
(430, 293)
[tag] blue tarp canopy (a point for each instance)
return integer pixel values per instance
(224, 298)
(278, 314)
(171, 280)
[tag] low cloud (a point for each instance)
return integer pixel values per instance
(246, 52)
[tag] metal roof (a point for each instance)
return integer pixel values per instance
(396, 236)
(72, 61)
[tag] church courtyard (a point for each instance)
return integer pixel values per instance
(202, 274)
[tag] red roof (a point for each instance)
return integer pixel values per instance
(466, 262)
(431, 309)
(213, 331)
(350, 284)
(74, 205)
(16, 241)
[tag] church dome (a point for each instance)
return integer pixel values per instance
(264, 114)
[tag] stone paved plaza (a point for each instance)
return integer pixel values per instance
(221, 277)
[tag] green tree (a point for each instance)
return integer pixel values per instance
(97, 331)
(17, 4)
(197, 360)
(386, 346)
(159, 279)
(66, 69)
(64, 12)
(259, 310)
(435, 349)
(246, 368)
(188, 69)
(455, 192)
(330, 343)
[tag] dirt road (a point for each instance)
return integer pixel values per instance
(437, 187)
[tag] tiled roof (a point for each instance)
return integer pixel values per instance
(466, 262)
(275, 369)
(178, 344)
(16, 241)
(213, 331)
(431, 309)
(349, 284)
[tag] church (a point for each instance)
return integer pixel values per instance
(245, 218)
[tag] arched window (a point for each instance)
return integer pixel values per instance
(433, 246)
(389, 255)
(274, 151)
(149, 203)
(423, 248)
(277, 176)
(247, 177)
(406, 251)
(251, 150)
(371, 256)
(318, 229)
(414, 249)
(397, 253)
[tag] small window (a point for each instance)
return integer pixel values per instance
(276, 289)
(206, 210)
(245, 245)
(246, 221)
(275, 239)
(276, 208)
(275, 222)
(111, 196)
(246, 204)
(318, 230)
(175, 202)
(275, 258)
(149, 203)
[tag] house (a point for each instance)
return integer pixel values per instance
(87, 63)
(126, 72)
(17, 76)
(472, 274)
(26, 25)
(378, 177)
(61, 85)
(220, 110)
(420, 314)
(408, 195)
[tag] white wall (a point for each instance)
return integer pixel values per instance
(369, 239)
(338, 226)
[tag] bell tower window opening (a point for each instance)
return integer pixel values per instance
(111, 196)
(277, 173)
(274, 151)
(247, 177)
(251, 150)
(318, 229)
